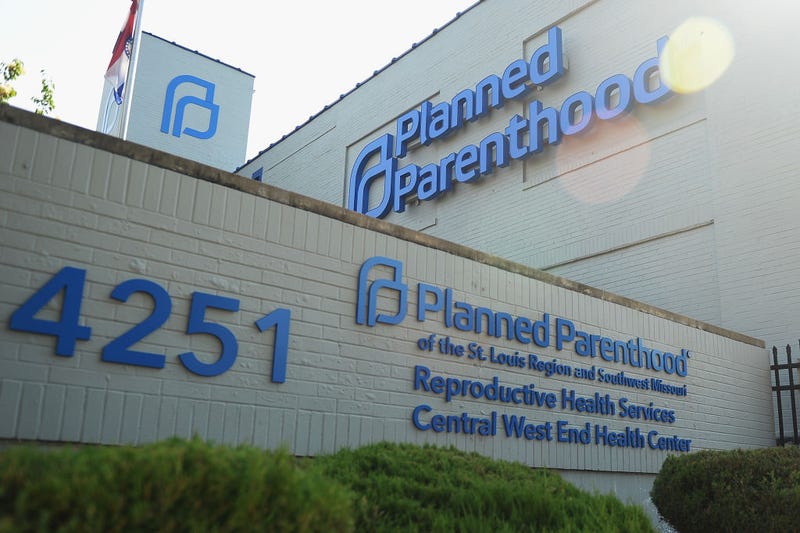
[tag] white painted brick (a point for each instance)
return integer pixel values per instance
(231, 213)
(66, 216)
(81, 169)
(187, 389)
(131, 419)
(112, 418)
(152, 189)
(275, 431)
(219, 200)
(51, 422)
(186, 198)
(183, 423)
(118, 179)
(93, 416)
(101, 165)
(246, 425)
(168, 201)
(23, 156)
(276, 399)
(137, 178)
(34, 226)
(148, 431)
(63, 161)
(202, 203)
(167, 416)
(303, 432)
(99, 206)
(246, 215)
(72, 420)
(125, 382)
(231, 424)
(23, 371)
(10, 400)
(200, 419)
(231, 395)
(273, 230)
(215, 422)
(8, 140)
(260, 426)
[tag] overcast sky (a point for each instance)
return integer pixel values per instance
(343, 41)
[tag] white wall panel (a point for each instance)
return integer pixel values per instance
(346, 384)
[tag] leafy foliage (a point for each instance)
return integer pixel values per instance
(753, 490)
(170, 486)
(10, 72)
(45, 103)
(180, 485)
(401, 487)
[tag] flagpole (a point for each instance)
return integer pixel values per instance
(131, 78)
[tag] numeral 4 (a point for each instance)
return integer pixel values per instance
(66, 329)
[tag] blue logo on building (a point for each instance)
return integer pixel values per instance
(378, 164)
(441, 304)
(184, 102)
(367, 303)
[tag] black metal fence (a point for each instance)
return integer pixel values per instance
(782, 369)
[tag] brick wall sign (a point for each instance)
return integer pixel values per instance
(143, 296)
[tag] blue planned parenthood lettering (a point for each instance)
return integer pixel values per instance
(383, 300)
(433, 302)
(440, 304)
(522, 138)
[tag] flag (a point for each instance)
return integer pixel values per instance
(120, 58)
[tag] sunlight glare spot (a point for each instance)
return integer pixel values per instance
(698, 52)
(600, 180)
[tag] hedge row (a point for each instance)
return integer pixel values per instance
(402, 487)
(181, 485)
(754, 490)
(169, 486)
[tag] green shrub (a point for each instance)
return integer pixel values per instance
(413, 488)
(754, 490)
(170, 486)
(181, 485)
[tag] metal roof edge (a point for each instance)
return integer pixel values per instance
(359, 84)
(199, 53)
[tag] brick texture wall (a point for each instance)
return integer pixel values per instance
(72, 198)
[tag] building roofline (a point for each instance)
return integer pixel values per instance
(359, 84)
(199, 53)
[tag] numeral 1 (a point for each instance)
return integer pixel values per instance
(280, 318)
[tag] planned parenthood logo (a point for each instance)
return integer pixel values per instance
(184, 102)
(367, 303)
(380, 161)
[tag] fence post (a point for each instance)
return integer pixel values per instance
(777, 389)
(792, 389)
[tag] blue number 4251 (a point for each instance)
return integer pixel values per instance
(68, 331)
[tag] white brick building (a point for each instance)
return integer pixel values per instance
(690, 204)
(674, 229)
(144, 296)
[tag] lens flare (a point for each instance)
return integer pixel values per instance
(599, 178)
(698, 52)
